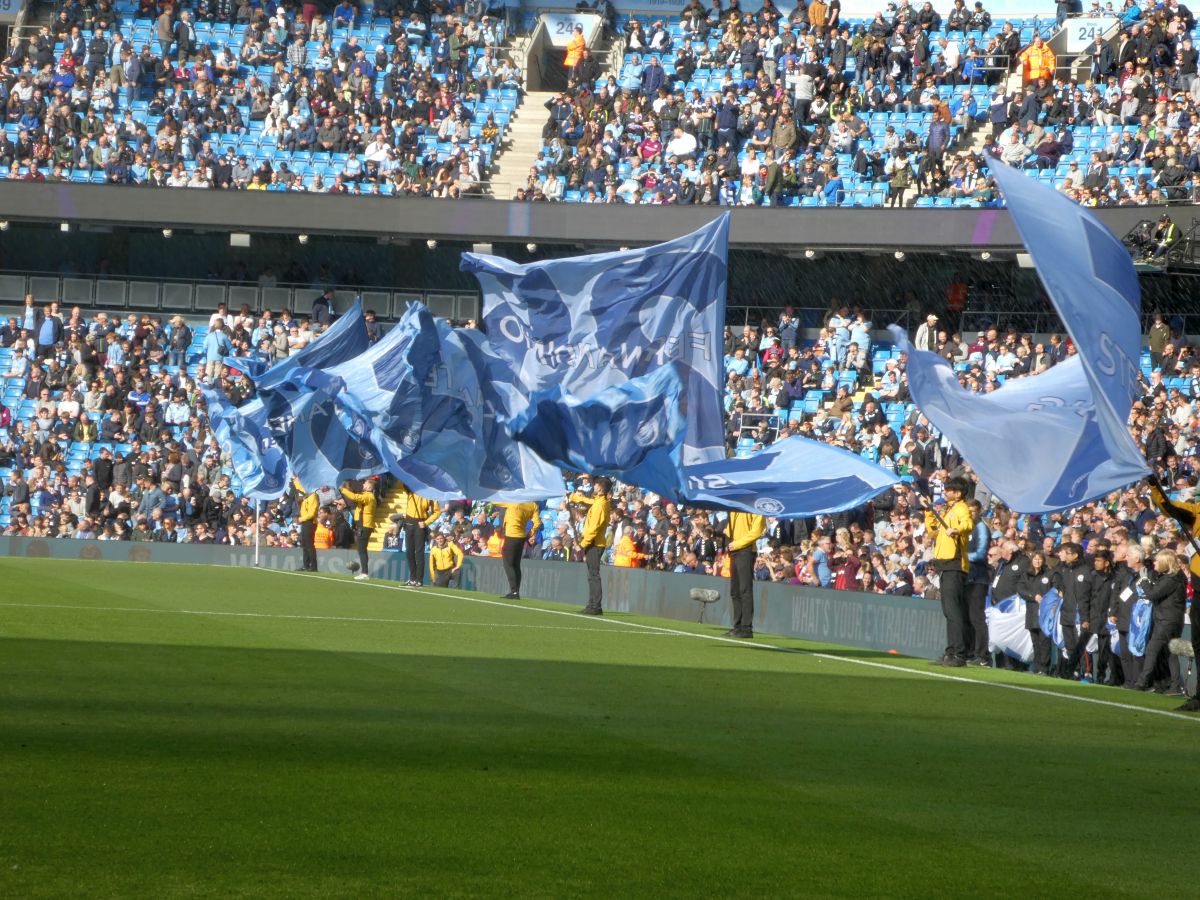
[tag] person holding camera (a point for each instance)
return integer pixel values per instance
(595, 538)
(364, 521)
(951, 531)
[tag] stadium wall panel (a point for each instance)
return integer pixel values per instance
(482, 220)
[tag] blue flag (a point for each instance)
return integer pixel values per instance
(254, 365)
(343, 340)
(590, 323)
(1006, 629)
(1114, 639)
(792, 478)
(325, 443)
(1048, 617)
(424, 403)
(632, 431)
(1139, 625)
(1063, 435)
(258, 462)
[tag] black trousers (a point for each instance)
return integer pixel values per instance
(414, 547)
(360, 544)
(595, 593)
(447, 578)
(308, 531)
(953, 589)
(1131, 666)
(1078, 650)
(1160, 664)
(977, 645)
(1041, 650)
(741, 588)
(511, 557)
(1070, 639)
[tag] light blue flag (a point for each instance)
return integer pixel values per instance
(1114, 639)
(590, 323)
(1139, 625)
(325, 443)
(792, 478)
(1006, 629)
(258, 462)
(423, 403)
(1049, 619)
(1059, 438)
(632, 431)
(254, 365)
(343, 340)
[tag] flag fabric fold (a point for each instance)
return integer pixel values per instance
(590, 323)
(1006, 629)
(1057, 439)
(260, 465)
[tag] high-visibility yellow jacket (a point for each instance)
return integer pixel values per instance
(364, 507)
(1186, 514)
(517, 517)
(744, 529)
(310, 504)
(595, 526)
(950, 542)
(443, 558)
(418, 507)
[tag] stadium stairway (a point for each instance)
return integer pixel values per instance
(525, 136)
(392, 503)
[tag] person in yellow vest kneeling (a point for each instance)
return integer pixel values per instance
(495, 544)
(445, 562)
(743, 533)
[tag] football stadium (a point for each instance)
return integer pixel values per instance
(815, 514)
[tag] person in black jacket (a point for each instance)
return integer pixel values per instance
(1120, 610)
(1167, 591)
(1073, 580)
(1033, 584)
(1094, 621)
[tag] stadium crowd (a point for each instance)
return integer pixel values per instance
(382, 99)
(739, 108)
(103, 436)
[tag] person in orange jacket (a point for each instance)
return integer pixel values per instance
(1037, 61)
(575, 47)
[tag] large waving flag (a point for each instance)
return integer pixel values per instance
(323, 441)
(632, 431)
(1059, 438)
(590, 323)
(424, 403)
(792, 478)
(258, 462)
(343, 340)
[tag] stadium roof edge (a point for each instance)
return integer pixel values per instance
(470, 220)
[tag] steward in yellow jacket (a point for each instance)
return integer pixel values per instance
(310, 505)
(595, 539)
(419, 514)
(518, 519)
(743, 532)
(364, 521)
(445, 562)
(951, 532)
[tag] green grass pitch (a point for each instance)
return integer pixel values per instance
(182, 731)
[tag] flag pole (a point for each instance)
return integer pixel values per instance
(256, 533)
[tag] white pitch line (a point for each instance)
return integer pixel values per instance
(1095, 701)
(253, 615)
